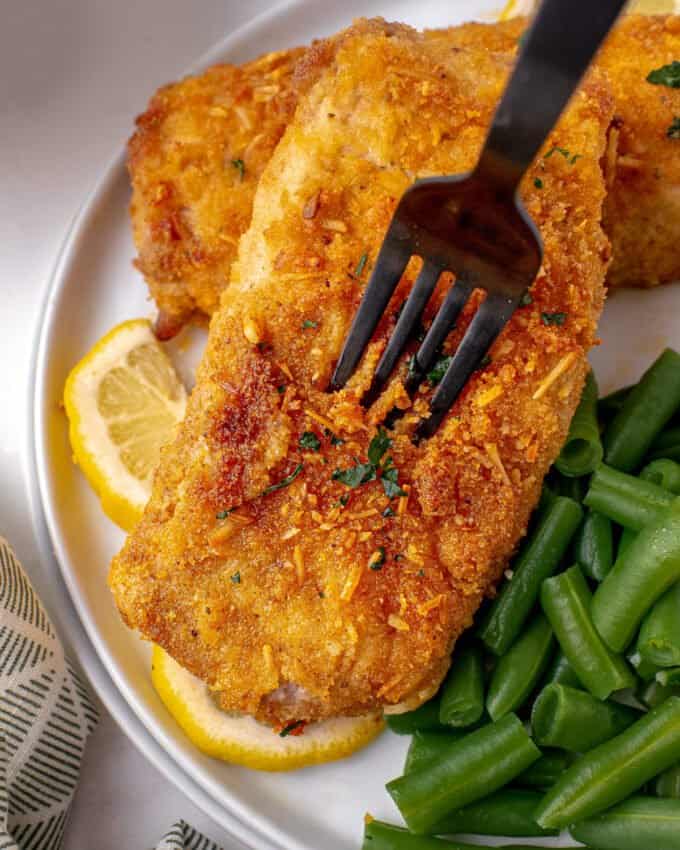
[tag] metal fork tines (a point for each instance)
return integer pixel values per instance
(474, 225)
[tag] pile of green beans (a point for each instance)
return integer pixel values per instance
(564, 710)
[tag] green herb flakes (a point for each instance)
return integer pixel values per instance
(284, 482)
(666, 75)
(290, 728)
(557, 319)
(236, 578)
(526, 299)
(538, 183)
(377, 559)
(310, 441)
(438, 371)
(308, 323)
(673, 131)
(240, 166)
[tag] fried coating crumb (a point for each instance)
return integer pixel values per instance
(342, 605)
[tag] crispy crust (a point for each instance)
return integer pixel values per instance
(275, 605)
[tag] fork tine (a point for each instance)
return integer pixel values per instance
(441, 327)
(487, 324)
(392, 259)
(408, 320)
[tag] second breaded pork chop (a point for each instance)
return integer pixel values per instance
(195, 161)
(300, 560)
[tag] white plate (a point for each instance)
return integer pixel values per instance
(94, 287)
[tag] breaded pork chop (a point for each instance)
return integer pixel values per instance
(642, 210)
(294, 556)
(194, 161)
(191, 203)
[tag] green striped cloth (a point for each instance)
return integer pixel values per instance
(46, 716)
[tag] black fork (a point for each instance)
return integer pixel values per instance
(474, 224)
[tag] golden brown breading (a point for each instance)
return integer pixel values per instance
(195, 161)
(190, 205)
(642, 211)
(307, 601)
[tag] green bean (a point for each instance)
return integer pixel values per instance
(539, 558)
(626, 499)
(610, 405)
(666, 444)
(561, 672)
(426, 746)
(644, 669)
(566, 601)
(594, 545)
(520, 669)
(659, 639)
(653, 693)
(582, 450)
(575, 721)
(546, 770)
(612, 771)
(644, 414)
(667, 784)
(641, 823)
(643, 572)
(425, 718)
(384, 836)
(669, 677)
(507, 812)
(462, 694)
(466, 771)
(664, 473)
(627, 537)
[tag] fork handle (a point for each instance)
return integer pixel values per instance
(555, 54)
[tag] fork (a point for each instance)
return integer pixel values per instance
(475, 225)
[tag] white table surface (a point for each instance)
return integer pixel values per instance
(73, 73)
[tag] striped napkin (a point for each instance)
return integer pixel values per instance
(46, 716)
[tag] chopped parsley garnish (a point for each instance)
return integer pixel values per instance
(484, 362)
(223, 514)
(388, 512)
(399, 557)
(390, 480)
(538, 183)
(412, 367)
(310, 441)
(362, 473)
(236, 578)
(284, 482)
(666, 75)
(361, 265)
(377, 559)
(673, 132)
(421, 573)
(567, 154)
(553, 318)
(281, 389)
(240, 166)
(342, 501)
(378, 446)
(308, 323)
(438, 371)
(291, 728)
(526, 299)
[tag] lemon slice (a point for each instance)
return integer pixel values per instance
(242, 740)
(123, 401)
